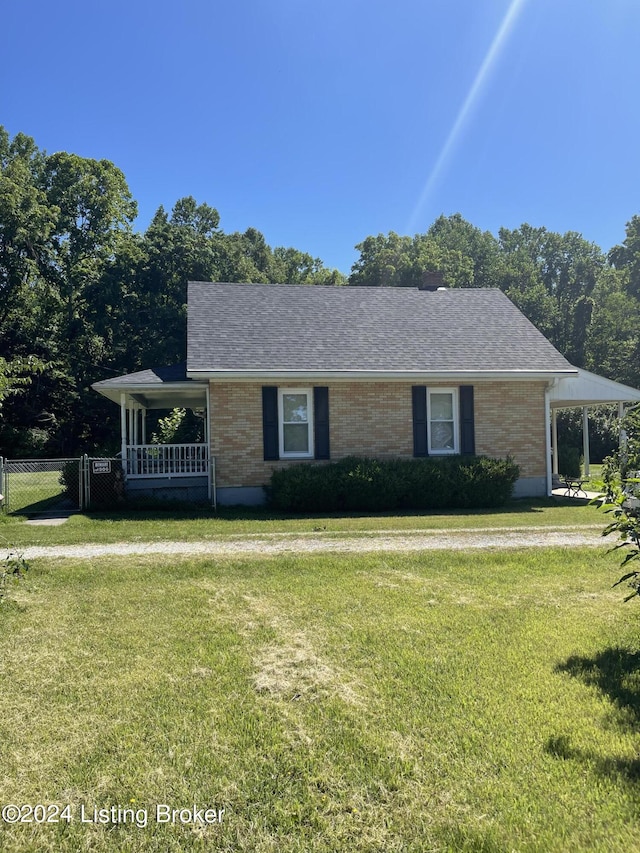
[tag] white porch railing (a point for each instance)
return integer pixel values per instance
(167, 460)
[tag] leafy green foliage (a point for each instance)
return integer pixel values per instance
(375, 485)
(626, 456)
(70, 480)
(395, 261)
(604, 431)
(15, 375)
(623, 503)
(621, 499)
(12, 568)
(180, 426)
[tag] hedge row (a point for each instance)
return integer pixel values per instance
(377, 485)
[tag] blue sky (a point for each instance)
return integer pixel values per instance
(322, 123)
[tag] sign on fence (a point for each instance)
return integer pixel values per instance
(101, 466)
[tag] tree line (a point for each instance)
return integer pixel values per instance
(83, 296)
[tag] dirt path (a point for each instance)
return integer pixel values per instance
(454, 540)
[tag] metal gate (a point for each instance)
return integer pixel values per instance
(41, 486)
(102, 483)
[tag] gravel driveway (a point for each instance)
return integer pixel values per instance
(281, 543)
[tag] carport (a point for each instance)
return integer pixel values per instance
(584, 391)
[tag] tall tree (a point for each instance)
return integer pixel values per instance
(551, 277)
(481, 247)
(151, 270)
(26, 220)
(94, 208)
(627, 257)
(613, 338)
(290, 266)
(394, 261)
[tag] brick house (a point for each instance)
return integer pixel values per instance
(284, 374)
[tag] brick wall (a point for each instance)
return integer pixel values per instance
(374, 419)
(509, 421)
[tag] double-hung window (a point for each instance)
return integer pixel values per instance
(442, 422)
(295, 415)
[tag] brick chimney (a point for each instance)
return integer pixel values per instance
(431, 280)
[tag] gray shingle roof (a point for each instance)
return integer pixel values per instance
(157, 387)
(151, 376)
(266, 327)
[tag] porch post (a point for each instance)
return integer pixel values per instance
(130, 412)
(123, 433)
(207, 426)
(135, 424)
(585, 439)
(622, 441)
(554, 439)
(211, 483)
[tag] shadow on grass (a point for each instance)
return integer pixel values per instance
(625, 770)
(54, 504)
(615, 672)
(175, 509)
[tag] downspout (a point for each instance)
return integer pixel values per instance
(547, 434)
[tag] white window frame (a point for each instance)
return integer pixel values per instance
(295, 454)
(456, 422)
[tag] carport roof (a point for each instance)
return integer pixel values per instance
(589, 389)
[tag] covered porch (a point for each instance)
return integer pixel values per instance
(584, 391)
(172, 471)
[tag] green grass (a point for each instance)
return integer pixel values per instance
(33, 492)
(390, 702)
(202, 525)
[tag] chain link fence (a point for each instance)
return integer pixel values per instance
(34, 486)
(50, 486)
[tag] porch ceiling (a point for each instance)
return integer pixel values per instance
(589, 389)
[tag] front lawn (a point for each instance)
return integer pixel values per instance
(389, 702)
(195, 525)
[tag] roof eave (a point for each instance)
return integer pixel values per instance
(420, 376)
(113, 390)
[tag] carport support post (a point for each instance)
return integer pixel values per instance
(585, 439)
(622, 443)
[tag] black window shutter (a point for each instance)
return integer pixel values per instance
(467, 425)
(270, 422)
(419, 402)
(321, 421)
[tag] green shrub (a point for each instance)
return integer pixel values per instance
(569, 461)
(376, 485)
(70, 480)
